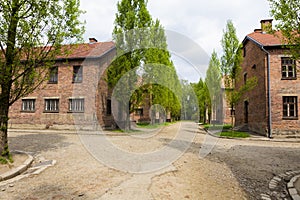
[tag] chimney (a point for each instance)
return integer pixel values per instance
(266, 25)
(93, 40)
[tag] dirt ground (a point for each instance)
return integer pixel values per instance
(235, 169)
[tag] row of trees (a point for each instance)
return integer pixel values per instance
(224, 71)
(143, 65)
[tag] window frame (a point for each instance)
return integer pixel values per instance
(32, 106)
(77, 74)
(53, 69)
(286, 107)
(46, 110)
(74, 107)
(288, 65)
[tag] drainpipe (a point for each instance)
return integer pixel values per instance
(269, 94)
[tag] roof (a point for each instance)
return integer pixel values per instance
(266, 39)
(87, 50)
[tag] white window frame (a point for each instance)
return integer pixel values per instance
(76, 105)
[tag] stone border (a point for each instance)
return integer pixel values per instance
(280, 181)
(18, 170)
(291, 188)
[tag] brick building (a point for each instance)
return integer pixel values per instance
(75, 94)
(271, 108)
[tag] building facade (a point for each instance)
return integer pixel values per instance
(271, 108)
(76, 93)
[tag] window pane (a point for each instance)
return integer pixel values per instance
(288, 68)
(290, 107)
(76, 105)
(53, 75)
(77, 73)
(28, 105)
(52, 105)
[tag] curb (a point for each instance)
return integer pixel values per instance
(280, 181)
(253, 138)
(19, 170)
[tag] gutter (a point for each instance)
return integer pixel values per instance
(269, 85)
(269, 94)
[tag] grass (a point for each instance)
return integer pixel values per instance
(152, 126)
(212, 127)
(234, 134)
(4, 160)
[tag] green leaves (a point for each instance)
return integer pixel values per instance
(287, 13)
(32, 33)
(231, 46)
(142, 49)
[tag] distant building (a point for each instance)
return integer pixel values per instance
(271, 108)
(75, 94)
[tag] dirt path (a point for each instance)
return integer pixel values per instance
(233, 170)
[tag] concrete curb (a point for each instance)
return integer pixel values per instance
(18, 170)
(257, 138)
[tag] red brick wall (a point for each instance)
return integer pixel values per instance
(254, 65)
(280, 88)
(257, 98)
(91, 89)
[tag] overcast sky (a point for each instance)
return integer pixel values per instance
(202, 22)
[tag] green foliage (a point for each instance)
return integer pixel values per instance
(204, 101)
(230, 44)
(142, 51)
(31, 36)
(231, 66)
(217, 127)
(213, 82)
(6, 156)
(286, 12)
(234, 134)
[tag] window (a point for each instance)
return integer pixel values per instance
(139, 112)
(245, 78)
(76, 105)
(288, 67)
(108, 107)
(28, 105)
(244, 51)
(290, 108)
(51, 105)
(53, 75)
(77, 74)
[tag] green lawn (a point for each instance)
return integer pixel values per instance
(216, 127)
(235, 134)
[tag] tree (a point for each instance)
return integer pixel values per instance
(231, 58)
(213, 82)
(204, 101)
(287, 12)
(231, 63)
(231, 67)
(141, 50)
(131, 19)
(158, 67)
(31, 35)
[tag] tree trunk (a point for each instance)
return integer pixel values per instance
(4, 102)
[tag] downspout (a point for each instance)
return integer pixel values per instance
(269, 93)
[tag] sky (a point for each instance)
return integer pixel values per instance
(196, 26)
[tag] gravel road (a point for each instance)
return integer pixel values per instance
(235, 169)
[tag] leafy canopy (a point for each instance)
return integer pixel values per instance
(287, 13)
